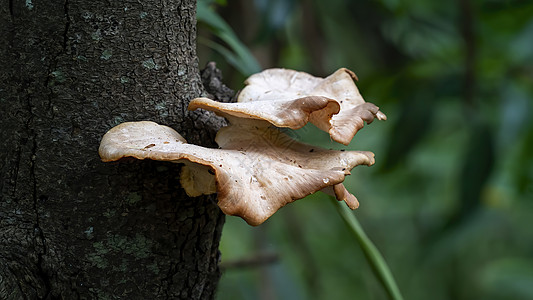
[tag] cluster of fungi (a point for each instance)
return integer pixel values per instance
(257, 168)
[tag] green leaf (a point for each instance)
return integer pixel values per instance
(374, 257)
(236, 53)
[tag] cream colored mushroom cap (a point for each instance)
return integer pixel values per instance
(294, 114)
(257, 172)
(283, 84)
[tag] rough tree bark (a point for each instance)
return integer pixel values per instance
(74, 227)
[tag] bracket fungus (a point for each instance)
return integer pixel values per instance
(258, 169)
(288, 98)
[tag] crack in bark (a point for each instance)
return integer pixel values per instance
(12, 272)
(40, 238)
(17, 167)
(47, 86)
(67, 24)
(11, 10)
(54, 61)
(37, 227)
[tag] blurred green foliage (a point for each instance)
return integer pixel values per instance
(449, 201)
(235, 52)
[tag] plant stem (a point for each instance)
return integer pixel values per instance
(374, 257)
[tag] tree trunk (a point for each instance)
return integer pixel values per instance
(72, 226)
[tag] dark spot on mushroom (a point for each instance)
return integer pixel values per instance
(149, 146)
(211, 172)
(342, 150)
(166, 142)
(220, 166)
(311, 150)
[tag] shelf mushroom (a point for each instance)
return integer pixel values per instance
(259, 169)
(254, 174)
(288, 98)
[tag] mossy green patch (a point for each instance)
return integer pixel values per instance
(150, 64)
(57, 76)
(106, 54)
(138, 246)
(109, 213)
(133, 198)
(154, 268)
(114, 246)
(117, 120)
(89, 233)
(97, 258)
(97, 35)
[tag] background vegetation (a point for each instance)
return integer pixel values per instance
(450, 200)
